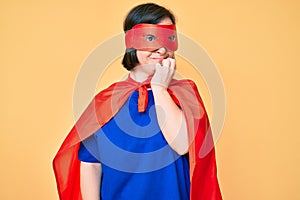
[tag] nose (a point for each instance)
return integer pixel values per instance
(162, 51)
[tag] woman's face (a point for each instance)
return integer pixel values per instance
(148, 59)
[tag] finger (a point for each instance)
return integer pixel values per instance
(157, 67)
(166, 62)
(172, 64)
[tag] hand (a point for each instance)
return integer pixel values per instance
(164, 73)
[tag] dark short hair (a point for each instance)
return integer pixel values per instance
(148, 13)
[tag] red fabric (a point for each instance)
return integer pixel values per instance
(143, 98)
(160, 36)
(203, 171)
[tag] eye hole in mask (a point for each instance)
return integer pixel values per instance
(172, 38)
(150, 38)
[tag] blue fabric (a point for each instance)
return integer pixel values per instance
(137, 162)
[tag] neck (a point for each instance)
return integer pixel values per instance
(138, 76)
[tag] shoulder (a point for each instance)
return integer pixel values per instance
(113, 87)
(105, 92)
(185, 89)
(117, 88)
(183, 83)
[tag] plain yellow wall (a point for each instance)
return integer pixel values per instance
(255, 45)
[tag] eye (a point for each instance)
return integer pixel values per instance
(172, 37)
(150, 38)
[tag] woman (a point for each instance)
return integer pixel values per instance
(122, 117)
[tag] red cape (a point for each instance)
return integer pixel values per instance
(203, 171)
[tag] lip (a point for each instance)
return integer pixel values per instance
(159, 59)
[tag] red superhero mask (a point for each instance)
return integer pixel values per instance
(150, 37)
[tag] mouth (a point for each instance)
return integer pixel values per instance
(160, 59)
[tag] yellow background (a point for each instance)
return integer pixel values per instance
(255, 45)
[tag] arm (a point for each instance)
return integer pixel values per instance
(90, 180)
(170, 118)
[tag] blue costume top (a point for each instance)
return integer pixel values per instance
(137, 162)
